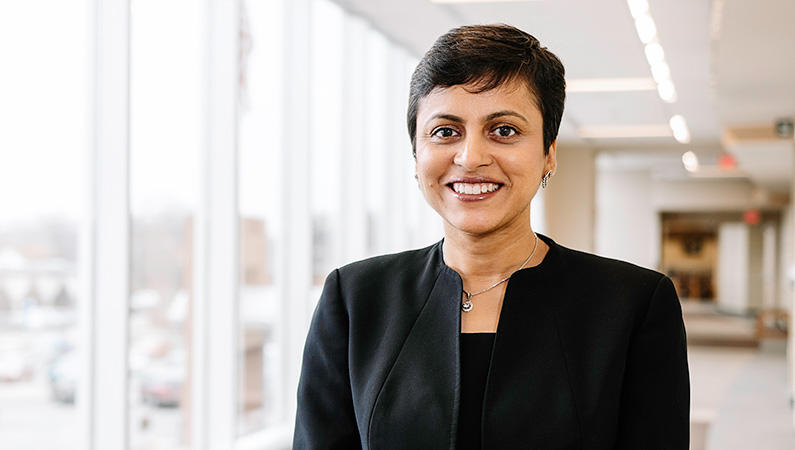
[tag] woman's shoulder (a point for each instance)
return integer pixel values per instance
(605, 271)
(384, 270)
(612, 286)
(606, 263)
(387, 262)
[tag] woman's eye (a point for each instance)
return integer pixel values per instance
(505, 131)
(444, 132)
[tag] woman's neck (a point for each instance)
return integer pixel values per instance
(484, 258)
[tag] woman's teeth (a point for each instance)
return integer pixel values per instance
(475, 188)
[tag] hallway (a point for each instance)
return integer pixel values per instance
(739, 389)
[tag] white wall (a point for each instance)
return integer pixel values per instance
(627, 225)
(769, 273)
(755, 267)
(732, 271)
(703, 195)
(788, 296)
(569, 199)
(785, 260)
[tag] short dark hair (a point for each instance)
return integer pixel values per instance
(488, 56)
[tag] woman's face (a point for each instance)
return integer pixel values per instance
(480, 156)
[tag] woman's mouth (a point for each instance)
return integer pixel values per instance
(474, 188)
(473, 191)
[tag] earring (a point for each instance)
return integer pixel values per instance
(545, 179)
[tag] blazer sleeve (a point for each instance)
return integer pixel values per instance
(325, 417)
(655, 401)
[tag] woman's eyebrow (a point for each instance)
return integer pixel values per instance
(492, 116)
(450, 117)
(497, 114)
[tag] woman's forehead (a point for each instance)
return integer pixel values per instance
(470, 99)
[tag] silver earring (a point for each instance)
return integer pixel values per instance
(545, 180)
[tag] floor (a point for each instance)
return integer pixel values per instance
(740, 398)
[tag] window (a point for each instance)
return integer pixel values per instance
(327, 164)
(42, 167)
(323, 177)
(260, 350)
(165, 80)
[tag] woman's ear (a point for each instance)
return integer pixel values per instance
(552, 158)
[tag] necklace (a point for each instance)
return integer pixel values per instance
(467, 305)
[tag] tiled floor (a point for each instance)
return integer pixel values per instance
(755, 412)
(740, 399)
(712, 372)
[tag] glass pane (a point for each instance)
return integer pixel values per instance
(260, 138)
(326, 111)
(165, 83)
(377, 107)
(42, 167)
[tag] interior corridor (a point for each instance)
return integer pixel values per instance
(738, 385)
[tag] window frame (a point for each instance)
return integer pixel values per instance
(102, 399)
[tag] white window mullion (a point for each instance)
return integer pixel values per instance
(104, 390)
(353, 213)
(294, 273)
(214, 312)
(398, 150)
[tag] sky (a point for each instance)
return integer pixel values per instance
(43, 90)
(45, 85)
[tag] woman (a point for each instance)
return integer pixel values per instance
(497, 337)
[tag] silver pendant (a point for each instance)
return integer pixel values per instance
(466, 306)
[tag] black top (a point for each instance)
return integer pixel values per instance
(475, 358)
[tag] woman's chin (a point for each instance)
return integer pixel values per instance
(473, 227)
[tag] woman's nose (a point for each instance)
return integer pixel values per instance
(472, 154)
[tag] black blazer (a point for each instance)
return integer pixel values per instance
(590, 353)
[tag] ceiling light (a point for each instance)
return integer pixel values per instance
(679, 129)
(610, 84)
(646, 29)
(654, 53)
(661, 72)
(638, 7)
(690, 160)
(623, 131)
(667, 91)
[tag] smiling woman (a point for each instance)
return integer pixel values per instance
(496, 337)
(480, 156)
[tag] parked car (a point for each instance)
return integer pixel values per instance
(15, 366)
(161, 386)
(63, 377)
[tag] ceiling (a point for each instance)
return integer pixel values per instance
(730, 61)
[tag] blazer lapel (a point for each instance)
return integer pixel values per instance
(529, 401)
(418, 403)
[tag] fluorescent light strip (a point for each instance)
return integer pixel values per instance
(690, 161)
(655, 55)
(624, 131)
(667, 91)
(661, 72)
(647, 30)
(679, 129)
(609, 84)
(638, 7)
